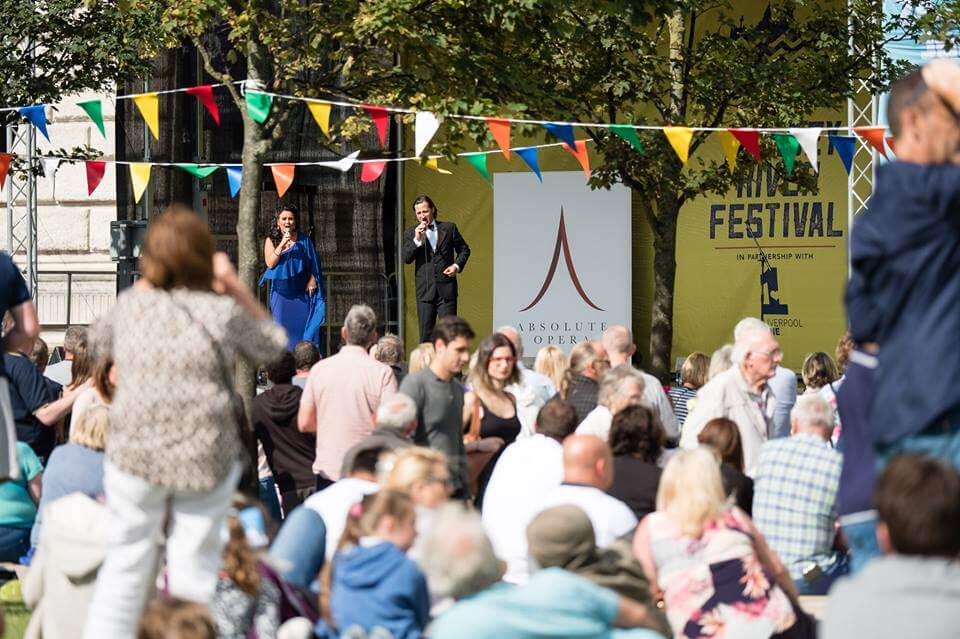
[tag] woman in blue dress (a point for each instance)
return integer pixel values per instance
(296, 297)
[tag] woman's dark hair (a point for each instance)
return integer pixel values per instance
(637, 432)
(274, 232)
(178, 251)
(723, 436)
(479, 376)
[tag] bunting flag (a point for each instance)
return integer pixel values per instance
(423, 131)
(235, 179)
(562, 132)
(50, 166)
(890, 145)
(258, 105)
(730, 146)
(501, 133)
(479, 162)
(95, 171)
(580, 152)
(629, 134)
(844, 146)
(679, 138)
(381, 117)
(94, 110)
(371, 171)
(808, 140)
(434, 165)
(204, 94)
(321, 113)
(283, 177)
(149, 105)
(529, 156)
(789, 147)
(344, 164)
(140, 177)
(37, 115)
(874, 135)
(750, 140)
(5, 159)
(199, 171)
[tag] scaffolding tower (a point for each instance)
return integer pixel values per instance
(21, 196)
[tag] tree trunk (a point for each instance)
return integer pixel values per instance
(664, 280)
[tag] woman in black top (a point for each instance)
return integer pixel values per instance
(723, 436)
(636, 439)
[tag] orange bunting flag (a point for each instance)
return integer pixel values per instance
(750, 139)
(582, 156)
(730, 146)
(501, 133)
(874, 136)
(381, 117)
(371, 171)
(5, 159)
(890, 145)
(679, 138)
(283, 177)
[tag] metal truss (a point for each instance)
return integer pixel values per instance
(21, 195)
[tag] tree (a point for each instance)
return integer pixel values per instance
(691, 62)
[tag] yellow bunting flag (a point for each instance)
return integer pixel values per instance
(730, 146)
(149, 105)
(140, 177)
(432, 163)
(679, 138)
(321, 113)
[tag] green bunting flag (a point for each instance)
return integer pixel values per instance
(198, 171)
(94, 109)
(479, 162)
(258, 105)
(788, 146)
(629, 134)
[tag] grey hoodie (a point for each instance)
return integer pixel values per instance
(896, 596)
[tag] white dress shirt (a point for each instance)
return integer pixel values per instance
(527, 471)
(597, 422)
(333, 503)
(611, 518)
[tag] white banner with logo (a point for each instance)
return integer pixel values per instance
(561, 258)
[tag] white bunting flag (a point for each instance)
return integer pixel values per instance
(50, 166)
(343, 164)
(808, 139)
(426, 127)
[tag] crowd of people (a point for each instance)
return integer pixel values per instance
(459, 493)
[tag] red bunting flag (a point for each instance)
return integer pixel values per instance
(283, 177)
(873, 135)
(5, 159)
(205, 95)
(581, 154)
(95, 171)
(890, 145)
(501, 133)
(749, 139)
(371, 171)
(381, 117)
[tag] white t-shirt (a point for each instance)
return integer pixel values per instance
(334, 502)
(597, 422)
(527, 471)
(611, 518)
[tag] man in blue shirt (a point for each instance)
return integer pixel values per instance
(904, 291)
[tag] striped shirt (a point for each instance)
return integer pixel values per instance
(679, 396)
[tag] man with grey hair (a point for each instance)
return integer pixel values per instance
(342, 394)
(618, 340)
(389, 350)
(741, 393)
(619, 387)
(783, 384)
(795, 498)
(62, 372)
(396, 421)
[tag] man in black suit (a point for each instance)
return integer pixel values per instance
(440, 253)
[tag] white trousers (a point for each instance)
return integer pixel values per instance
(194, 547)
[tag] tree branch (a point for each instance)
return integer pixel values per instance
(222, 77)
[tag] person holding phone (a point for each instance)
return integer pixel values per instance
(440, 254)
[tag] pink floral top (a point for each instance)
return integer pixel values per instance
(714, 585)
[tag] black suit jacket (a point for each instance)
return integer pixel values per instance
(432, 284)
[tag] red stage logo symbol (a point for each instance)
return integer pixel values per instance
(561, 243)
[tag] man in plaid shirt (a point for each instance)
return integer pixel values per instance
(795, 497)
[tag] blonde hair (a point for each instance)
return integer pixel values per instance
(695, 369)
(175, 619)
(582, 355)
(691, 491)
(819, 369)
(421, 357)
(411, 465)
(92, 428)
(552, 362)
